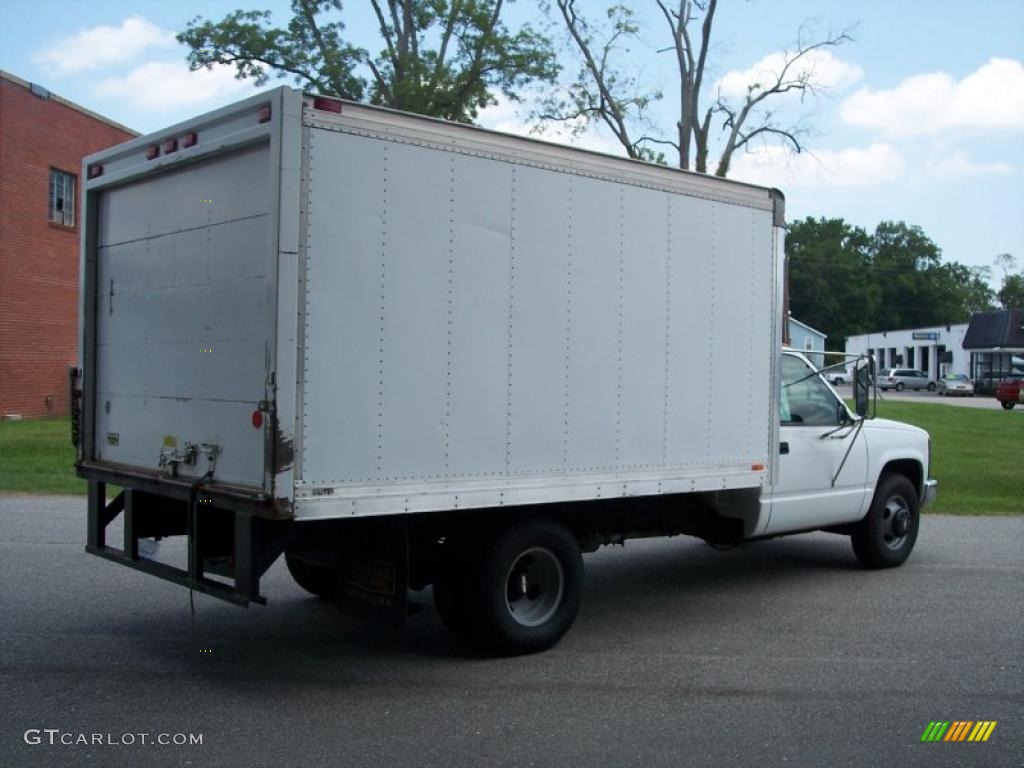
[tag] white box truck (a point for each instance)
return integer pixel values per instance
(404, 353)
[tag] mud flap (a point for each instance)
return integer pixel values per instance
(373, 572)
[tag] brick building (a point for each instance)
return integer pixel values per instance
(43, 139)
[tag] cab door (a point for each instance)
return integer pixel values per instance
(823, 462)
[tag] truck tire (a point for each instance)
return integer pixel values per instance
(530, 587)
(316, 579)
(1007, 404)
(886, 535)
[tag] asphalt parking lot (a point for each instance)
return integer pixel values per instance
(984, 402)
(779, 653)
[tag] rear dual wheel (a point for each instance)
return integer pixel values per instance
(519, 593)
(316, 579)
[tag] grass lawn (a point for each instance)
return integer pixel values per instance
(976, 455)
(37, 457)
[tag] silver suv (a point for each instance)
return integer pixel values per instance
(905, 378)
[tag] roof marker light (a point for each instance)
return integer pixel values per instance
(152, 151)
(95, 171)
(190, 139)
(327, 105)
(171, 145)
(264, 113)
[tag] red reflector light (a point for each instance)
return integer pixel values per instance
(189, 139)
(257, 419)
(327, 105)
(95, 171)
(171, 145)
(265, 113)
(152, 151)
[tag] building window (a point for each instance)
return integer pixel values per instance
(62, 198)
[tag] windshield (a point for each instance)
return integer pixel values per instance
(806, 400)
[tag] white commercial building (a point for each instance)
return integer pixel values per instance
(937, 350)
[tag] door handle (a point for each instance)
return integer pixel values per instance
(783, 447)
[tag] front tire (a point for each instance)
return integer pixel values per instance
(931, 386)
(1007, 404)
(887, 534)
(899, 386)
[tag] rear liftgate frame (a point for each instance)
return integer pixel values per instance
(231, 543)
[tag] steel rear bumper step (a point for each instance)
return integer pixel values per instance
(228, 543)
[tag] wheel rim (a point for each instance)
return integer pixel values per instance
(534, 586)
(896, 522)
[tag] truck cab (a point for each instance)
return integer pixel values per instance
(841, 470)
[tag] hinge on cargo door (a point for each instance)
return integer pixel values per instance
(76, 406)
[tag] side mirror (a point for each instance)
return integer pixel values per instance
(842, 415)
(863, 375)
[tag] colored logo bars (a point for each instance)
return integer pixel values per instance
(958, 730)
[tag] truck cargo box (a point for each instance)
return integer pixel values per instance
(324, 309)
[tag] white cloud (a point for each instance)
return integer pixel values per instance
(778, 166)
(819, 66)
(163, 85)
(104, 45)
(503, 116)
(958, 164)
(507, 116)
(929, 104)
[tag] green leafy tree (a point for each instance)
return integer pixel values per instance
(1011, 295)
(444, 58)
(844, 281)
(828, 263)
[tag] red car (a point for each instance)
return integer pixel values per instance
(1008, 391)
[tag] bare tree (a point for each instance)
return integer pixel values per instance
(1006, 263)
(602, 91)
(743, 120)
(691, 76)
(792, 75)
